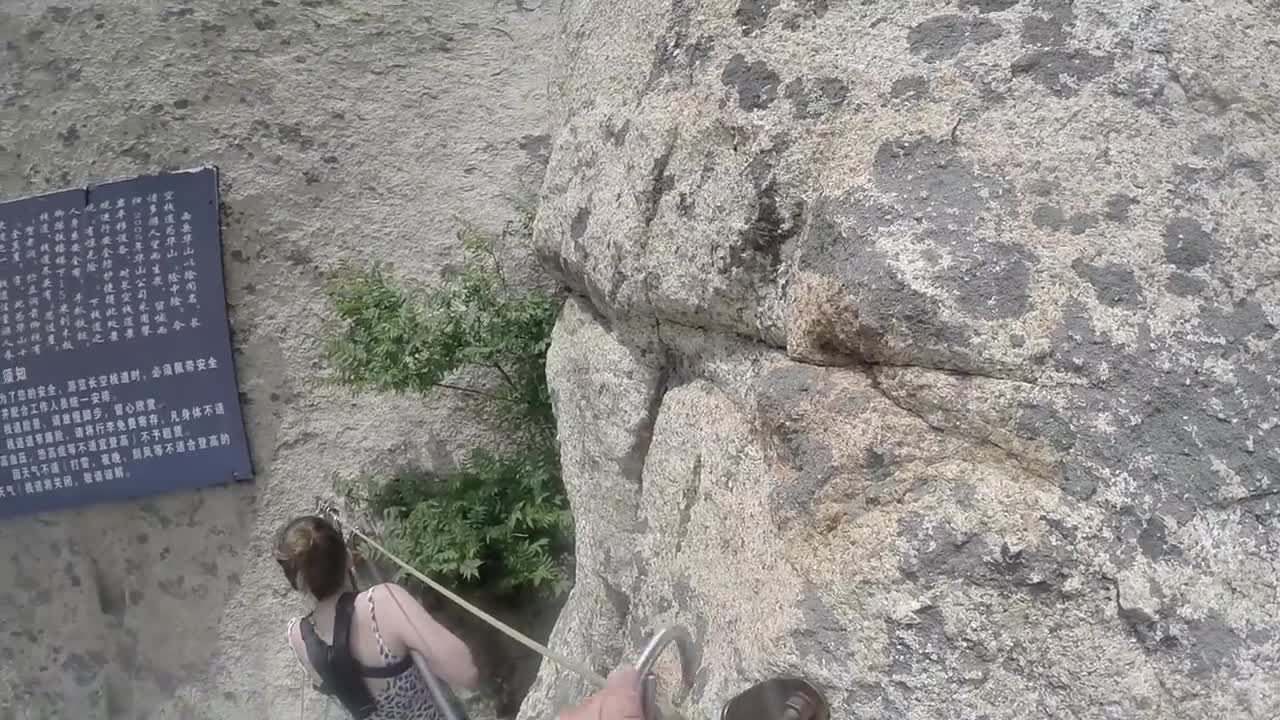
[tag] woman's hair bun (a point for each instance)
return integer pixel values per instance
(313, 555)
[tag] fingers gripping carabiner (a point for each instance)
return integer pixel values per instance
(644, 665)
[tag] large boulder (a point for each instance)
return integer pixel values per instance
(925, 350)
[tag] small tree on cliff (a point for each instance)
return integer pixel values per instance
(502, 521)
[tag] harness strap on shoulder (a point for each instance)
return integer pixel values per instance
(317, 653)
(342, 676)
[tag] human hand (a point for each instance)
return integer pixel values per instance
(619, 700)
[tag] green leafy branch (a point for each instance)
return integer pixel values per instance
(502, 521)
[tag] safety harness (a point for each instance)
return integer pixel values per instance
(342, 676)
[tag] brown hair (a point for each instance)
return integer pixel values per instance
(311, 547)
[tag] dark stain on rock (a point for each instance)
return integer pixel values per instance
(59, 14)
(677, 53)
(1082, 222)
(1046, 33)
(763, 167)
(940, 551)
(1190, 183)
(1145, 89)
(688, 498)
(175, 587)
(1205, 93)
(293, 135)
(779, 392)
(815, 98)
(1043, 423)
(537, 147)
(111, 598)
(1182, 412)
(1187, 245)
(822, 637)
(910, 88)
(752, 15)
(69, 136)
(1254, 168)
(1209, 146)
(936, 185)
(618, 599)
(1185, 285)
(1043, 187)
(988, 6)
(1077, 344)
(873, 461)
(72, 576)
(756, 83)
(943, 37)
(814, 8)
(1153, 540)
(1242, 321)
(1062, 72)
(660, 183)
(617, 136)
(776, 220)
(1048, 217)
(82, 668)
(768, 232)
(686, 204)
(917, 647)
(1118, 207)
(581, 219)
(1115, 285)
(993, 282)
(261, 20)
(1208, 645)
(839, 243)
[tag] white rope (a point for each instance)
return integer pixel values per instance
(586, 673)
(302, 699)
(546, 652)
(668, 710)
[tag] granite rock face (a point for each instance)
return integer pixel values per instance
(343, 131)
(927, 350)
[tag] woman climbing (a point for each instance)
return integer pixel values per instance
(359, 647)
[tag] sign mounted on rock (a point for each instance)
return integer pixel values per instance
(116, 376)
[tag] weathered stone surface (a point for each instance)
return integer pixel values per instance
(970, 318)
(344, 131)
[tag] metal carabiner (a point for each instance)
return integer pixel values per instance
(644, 666)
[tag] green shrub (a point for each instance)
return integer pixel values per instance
(391, 342)
(502, 521)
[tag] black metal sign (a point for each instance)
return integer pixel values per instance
(116, 378)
